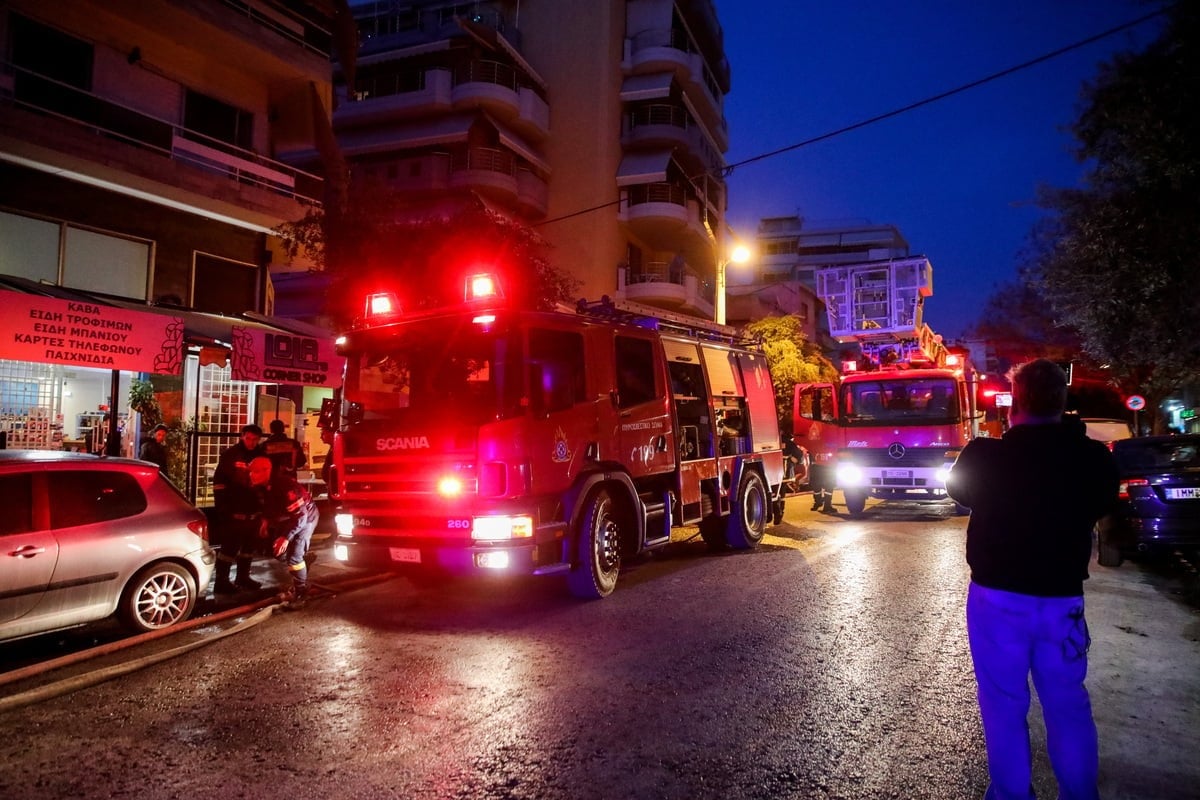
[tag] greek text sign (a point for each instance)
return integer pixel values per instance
(81, 334)
(281, 357)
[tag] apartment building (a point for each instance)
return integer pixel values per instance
(143, 168)
(598, 122)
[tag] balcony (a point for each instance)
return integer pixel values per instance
(664, 49)
(388, 97)
(487, 170)
(671, 285)
(83, 132)
(666, 216)
(533, 194)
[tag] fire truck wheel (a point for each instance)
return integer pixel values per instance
(594, 575)
(712, 531)
(855, 502)
(748, 522)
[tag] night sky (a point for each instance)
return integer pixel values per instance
(957, 177)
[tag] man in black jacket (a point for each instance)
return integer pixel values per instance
(1034, 496)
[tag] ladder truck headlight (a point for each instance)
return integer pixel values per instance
(849, 474)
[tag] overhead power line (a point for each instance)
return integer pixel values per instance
(729, 168)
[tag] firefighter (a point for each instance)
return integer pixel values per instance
(290, 516)
(821, 479)
(285, 452)
(238, 512)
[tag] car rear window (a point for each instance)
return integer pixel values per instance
(1166, 455)
(92, 496)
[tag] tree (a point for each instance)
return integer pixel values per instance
(378, 243)
(1116, 260)
(793, 359)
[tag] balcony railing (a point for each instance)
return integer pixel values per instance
(39, 94)
(288, 23)
(657, 193)
(681, 41)
(659, 114)
(487, 159)
(487, 72)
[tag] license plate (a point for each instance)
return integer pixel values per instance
(1183, 493)
(408, 555)
(897, 473)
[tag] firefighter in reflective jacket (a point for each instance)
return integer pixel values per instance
(238, 512)
(290, 516)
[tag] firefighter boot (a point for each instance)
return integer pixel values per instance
(816, 502)
(223, 585)
(298, 595)
(827, 507)
(243, 574)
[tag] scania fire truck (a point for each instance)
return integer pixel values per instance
(901, 412)
(483, 438)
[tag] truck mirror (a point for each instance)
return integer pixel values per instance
(354, 413)
(329, 418)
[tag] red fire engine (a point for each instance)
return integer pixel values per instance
(899, 416)
(482, 438)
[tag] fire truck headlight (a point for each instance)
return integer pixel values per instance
(497, 559)
(495, 529)
(849, 475)
(341, 552)
(449, 486)
(344, 524)
(943, 474)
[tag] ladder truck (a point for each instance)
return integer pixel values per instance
(894, 423)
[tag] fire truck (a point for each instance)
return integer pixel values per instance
(481, 438)
(901, 412)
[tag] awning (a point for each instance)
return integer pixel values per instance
(419, 133)
(260, 351)
(648, 166)
(646, 87)
(518, 145)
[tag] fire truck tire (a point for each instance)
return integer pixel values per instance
(751, 509)
(594, 575)
(712, 531)
(855, 502)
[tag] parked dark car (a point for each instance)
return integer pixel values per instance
(1159, 498)
(83, 537)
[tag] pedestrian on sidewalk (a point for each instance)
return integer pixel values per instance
(1034, 496)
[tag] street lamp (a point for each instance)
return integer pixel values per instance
(740, 254)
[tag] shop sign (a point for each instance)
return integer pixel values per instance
(281, 357)
(81, 334)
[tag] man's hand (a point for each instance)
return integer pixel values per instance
(280, 547)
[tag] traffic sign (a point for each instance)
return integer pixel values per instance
(1135, 402)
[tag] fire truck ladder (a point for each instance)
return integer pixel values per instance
(658, 319)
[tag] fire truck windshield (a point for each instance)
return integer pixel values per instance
(899, 400)
(461, 371)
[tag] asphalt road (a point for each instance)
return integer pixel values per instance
(830, 663)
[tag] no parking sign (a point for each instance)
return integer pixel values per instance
(1135, 402)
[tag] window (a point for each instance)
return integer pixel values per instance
(29, 247)
(51, 54)
(97, 262)
(559, 354)
(96, 496)
(635, 371)
(222, 286)
(17, 491)
(217, 120)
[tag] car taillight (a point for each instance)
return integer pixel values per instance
(1123, 486)
(199, 527)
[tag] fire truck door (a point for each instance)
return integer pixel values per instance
(814, 421)
(647, 443)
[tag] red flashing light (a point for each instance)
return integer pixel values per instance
(953, 360)
(482, 286)
(381, 304)
(849, 366)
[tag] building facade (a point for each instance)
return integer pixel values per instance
(143, 167)
(598, 122)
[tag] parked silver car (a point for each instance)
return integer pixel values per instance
(83, 537)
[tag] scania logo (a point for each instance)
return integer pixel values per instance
(896, 450)
(401, 442)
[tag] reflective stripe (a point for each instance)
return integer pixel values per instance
(298, 567)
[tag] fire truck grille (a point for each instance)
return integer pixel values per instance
(383, 478)
(914, 457)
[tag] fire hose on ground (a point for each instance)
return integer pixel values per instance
(262, 610)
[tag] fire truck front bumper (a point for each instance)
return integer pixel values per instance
(461, 557)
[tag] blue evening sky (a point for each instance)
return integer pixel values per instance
(957, 177)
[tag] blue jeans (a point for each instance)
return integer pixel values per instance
(1015, 635)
